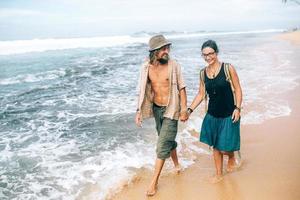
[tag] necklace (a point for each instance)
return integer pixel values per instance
(216, 70)
(213, 76)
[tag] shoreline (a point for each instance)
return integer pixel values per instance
(270, 170)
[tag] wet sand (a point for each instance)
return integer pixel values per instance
(270, 170)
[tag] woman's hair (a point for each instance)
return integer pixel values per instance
(212, 44)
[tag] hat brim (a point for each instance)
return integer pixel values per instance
(160, 46)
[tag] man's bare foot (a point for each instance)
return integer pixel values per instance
(152, 190)
(216, 179)
(178, 169)
(151, 193)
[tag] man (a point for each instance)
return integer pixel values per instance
(162, 95)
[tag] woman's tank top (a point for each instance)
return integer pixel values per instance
(221, 102)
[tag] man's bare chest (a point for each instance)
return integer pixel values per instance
(158, 75)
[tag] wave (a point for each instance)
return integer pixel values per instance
(41, 45)
(201, 34)
(31, 78)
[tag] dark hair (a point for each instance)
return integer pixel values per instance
(212, 44)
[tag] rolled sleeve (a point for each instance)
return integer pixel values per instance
(138, 86)
(138, 91)
(180, 79)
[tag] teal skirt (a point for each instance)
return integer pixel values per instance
(220, 133)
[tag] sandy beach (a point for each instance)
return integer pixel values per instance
(270, 170)
(293, 37)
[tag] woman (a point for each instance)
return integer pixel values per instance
(221, 124)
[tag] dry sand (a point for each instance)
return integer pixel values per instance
(293, 37)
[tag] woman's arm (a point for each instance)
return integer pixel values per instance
(236, 85)
(199, 97)
(237, 93)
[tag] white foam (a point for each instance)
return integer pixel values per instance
(40, 45)
(273, 109)
(202, 34)
(31, 78)
(104, 172)
(112, 166)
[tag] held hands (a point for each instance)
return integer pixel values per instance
(235, 115)
(183, 116)
(138, 119)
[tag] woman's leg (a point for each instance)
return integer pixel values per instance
(231, 159)
(231, 165)
(218, 157)
(230, 154)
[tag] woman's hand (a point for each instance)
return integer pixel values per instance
(235, 115)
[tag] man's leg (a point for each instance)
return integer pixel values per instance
(175, 161)
(170, 136)
(159, 163)
(174, 157)
(166, 142)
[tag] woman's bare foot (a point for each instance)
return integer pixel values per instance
(233, 165)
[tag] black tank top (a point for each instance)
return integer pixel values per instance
(221, 103)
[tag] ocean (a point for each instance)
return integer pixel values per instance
(67, 106)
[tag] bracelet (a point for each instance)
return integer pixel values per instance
(238, 108)
(189, 110)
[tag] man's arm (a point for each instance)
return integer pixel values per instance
(183, 99)
(182, 94)
(138, 116)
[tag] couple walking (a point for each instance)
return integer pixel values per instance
(162, 95)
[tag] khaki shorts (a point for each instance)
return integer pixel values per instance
(166, 130)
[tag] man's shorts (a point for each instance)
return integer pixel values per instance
(167, 131)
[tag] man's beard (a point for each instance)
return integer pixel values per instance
(163, 60)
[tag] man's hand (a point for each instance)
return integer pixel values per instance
(138, 119)
(183, 116)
